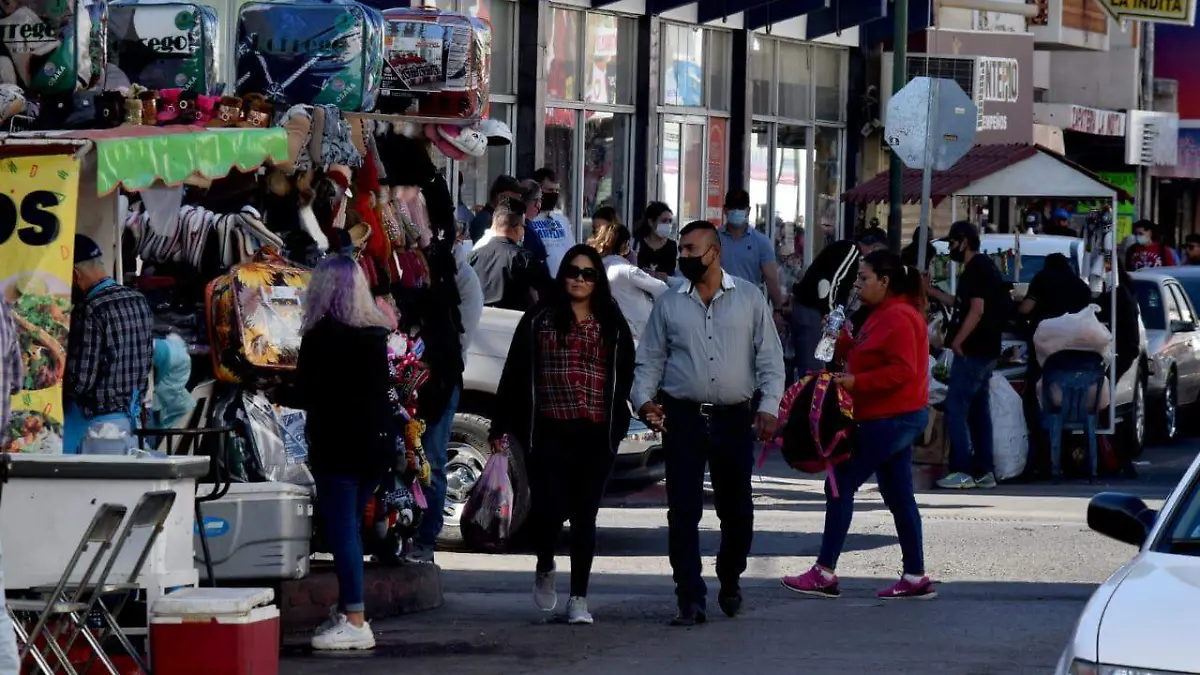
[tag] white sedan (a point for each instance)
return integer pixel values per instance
(1144, 619)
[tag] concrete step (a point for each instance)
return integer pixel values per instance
(389, 591)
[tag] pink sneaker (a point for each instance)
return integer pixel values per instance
(813, 582)
(907, 590)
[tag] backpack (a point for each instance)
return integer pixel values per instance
(824, 437)
(164, 45)
(53, 47)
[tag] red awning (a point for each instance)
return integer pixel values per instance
(982, 161)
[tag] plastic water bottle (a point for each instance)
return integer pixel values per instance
(829, 337)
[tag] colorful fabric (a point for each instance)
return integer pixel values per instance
(572, 379)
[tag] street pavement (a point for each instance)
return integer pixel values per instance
(1015, 566)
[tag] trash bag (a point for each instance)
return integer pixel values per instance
(937, 388)
(1081, 331)
(488, 511)
(1010, 435)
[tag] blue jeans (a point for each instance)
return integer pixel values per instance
(436, 442)
(9, 653)
(725, 442)
(884, 448)
(969, 415)
(341, 504)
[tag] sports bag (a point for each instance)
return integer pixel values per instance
(164, 45)
(52, 46)
(310, 52)
(817, 425)
(436, 64)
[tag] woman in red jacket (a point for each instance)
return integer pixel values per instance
(887, 373)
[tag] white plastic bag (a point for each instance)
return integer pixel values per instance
(1010, 436)
(1081, 331)
(937, 388)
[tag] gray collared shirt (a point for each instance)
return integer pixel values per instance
(720, 354)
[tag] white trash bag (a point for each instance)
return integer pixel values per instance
(1081, 331)
(1010, 436)
(937, 388)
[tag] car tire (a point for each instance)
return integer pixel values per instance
(1168, 415)
(468, 452)
(1132, 432)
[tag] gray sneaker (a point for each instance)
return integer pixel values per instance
(545, 593)
(577, 612)
(987, 482)
(956, 481)
(419, 555)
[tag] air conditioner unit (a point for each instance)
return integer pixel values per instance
(1152, 138)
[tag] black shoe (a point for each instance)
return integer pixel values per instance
(731, 602)
(689, 616)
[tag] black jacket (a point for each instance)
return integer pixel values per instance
(343, 387)
(515, 412)
(837, 265)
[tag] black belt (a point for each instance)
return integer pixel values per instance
(709, 410)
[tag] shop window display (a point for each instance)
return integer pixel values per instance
(762, 76)
(606, 162)
(795, 81)
(561, 126)
(683, 66)
(562, 54)
(610, 64)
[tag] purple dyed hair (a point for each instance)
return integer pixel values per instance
(339, 290)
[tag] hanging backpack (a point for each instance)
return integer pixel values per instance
(310, 52)
(817, 425)
(164, 45)
(53, 46)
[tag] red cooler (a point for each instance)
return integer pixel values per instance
(215, 631)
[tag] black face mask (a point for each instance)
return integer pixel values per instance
(693, 268)
(958, 253)
(549, 201)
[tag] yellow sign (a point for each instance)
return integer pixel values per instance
(1155, 11)
(38, 202)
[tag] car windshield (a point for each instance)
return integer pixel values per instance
(1191, 284)
(1182, 532)
(1030, 266)
(1150, 303)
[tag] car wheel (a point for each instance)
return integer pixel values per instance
(1169, 415)
(1132, 431)
(466, 456)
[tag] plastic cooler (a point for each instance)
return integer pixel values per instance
(215, 631)
(257, 531)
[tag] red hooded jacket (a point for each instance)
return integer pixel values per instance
(889, 359)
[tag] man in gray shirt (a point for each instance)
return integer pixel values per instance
(710, 377)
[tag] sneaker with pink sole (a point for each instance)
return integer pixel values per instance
(922, 589)
(815, 582)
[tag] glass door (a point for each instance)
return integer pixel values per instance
(683, 173)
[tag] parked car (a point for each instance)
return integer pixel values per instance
(1143, 618)
(640, 460)
(1132, 387)
(1172, 342)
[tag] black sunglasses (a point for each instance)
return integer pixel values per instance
(588, 274)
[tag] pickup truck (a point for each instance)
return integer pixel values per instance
(640, 461)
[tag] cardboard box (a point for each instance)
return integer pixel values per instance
(934, 446)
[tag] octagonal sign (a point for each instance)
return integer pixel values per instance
(926, 106)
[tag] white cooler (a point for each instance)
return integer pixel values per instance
(257, 531)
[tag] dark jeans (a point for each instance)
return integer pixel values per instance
(884, 448)
(436, 442)
(341, 504)
(724, 440)
(569, 466)
(969, 415)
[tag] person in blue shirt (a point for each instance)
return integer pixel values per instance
(746, 252)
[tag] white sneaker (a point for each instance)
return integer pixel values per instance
(344, 636)
(577, 612)
(545, 593)
(335, 617)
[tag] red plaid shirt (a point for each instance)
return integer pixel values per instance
(572, 378)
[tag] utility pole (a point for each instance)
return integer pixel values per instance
(899, 79)
(1145, 188)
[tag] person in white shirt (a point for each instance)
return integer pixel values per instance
(550, 224)
(633, 288)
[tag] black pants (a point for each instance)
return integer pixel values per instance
(722, 439)
(569, 465)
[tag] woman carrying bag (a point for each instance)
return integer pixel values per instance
(887, 374)
(564, 395)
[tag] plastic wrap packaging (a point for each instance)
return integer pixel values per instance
(318, 53)
(53, 46)
(1081, 331)
(436, 64)
(273, 453)
(164, 45)
(488, 511)
(255, 313)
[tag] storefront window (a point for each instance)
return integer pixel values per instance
(683, 65)
(561, 126)
(610, 70)
(761, 176)
(720, 54)
(502, 14)
(827, 176)
(606, 164)
(827, 81)
(562, 54)
(672, 151)
(791, 183)
(762, 75)
(795, 80)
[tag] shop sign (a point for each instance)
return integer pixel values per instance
(997, 80)
(37, 232)
(1188, 164)
(1096, 121)
(1002, 86)
(716, 169)
(1154, 11)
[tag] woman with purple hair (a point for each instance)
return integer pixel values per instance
(343, 382)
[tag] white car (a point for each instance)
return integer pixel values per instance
(1143, 620)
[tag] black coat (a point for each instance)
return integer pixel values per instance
(343, 387)
(515, 412)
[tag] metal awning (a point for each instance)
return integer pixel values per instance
(782, 10)
(652, 6)
(713, 10)
(1014, 170)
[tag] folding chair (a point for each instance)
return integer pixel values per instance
(100, 531)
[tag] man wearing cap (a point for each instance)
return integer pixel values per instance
(974, 337)
(1060, 224)
(109, 353)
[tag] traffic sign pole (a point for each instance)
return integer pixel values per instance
(935, 88)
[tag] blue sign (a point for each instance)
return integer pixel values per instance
(213, 526)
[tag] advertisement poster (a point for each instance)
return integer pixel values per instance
(1126, 212)
(716, 169)
(38, 203)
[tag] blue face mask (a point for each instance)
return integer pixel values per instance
(736, 217)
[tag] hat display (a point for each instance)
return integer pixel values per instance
(497, 132)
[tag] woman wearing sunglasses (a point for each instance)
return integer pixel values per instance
(563, 397)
